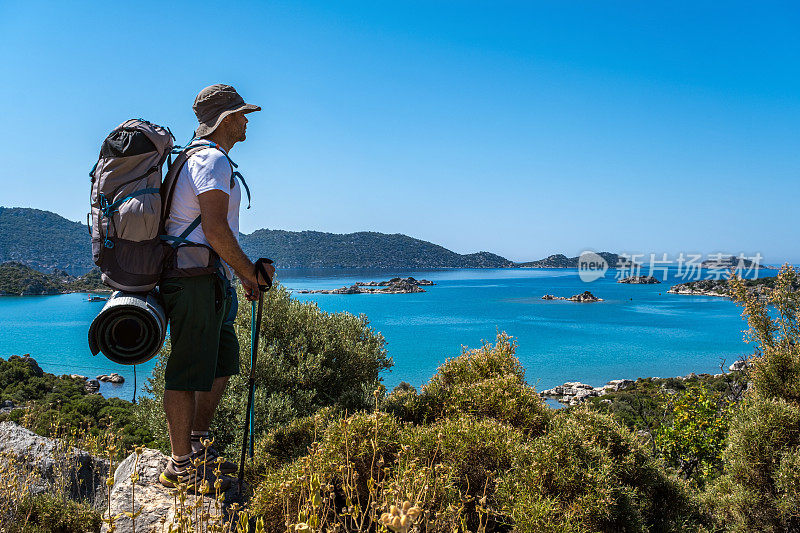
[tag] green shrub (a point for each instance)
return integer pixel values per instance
(694, 440)
(776, 373)
(286, 443)
(487, 382)
(590, 474)
(758, 489)
(475, 450)
(446, 468)
(48, 513)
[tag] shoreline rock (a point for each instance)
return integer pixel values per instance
(92, 386)
(760, 287)
(575, 392)
(111, 378)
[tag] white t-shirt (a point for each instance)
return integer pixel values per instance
(206, 170)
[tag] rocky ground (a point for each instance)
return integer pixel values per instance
(156, 503)
(392, 286)
(760, 287)
(575, 392)
(53, 464)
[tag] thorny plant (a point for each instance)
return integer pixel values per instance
(396, 497)
(18, 478)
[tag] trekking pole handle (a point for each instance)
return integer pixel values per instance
(261, 269)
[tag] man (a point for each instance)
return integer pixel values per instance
(201, 308)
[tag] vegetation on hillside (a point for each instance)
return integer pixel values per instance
(21, 280)
(58, 407)
(44, 240)
(758, 489)
(53, 405)
(47, 241)
(365, 249)
(475, 449)
(760, 287)
(683, 421)
(562, 261)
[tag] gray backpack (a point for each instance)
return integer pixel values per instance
(130, 206)
(126, 205)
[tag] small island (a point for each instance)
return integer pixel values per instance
(639, 280)
(584, 297)
(733, 262)
(392, 286)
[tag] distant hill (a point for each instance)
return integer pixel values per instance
(46, 241)
(562, 261)
(21, 280)
(366, 249)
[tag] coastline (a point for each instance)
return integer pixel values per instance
(648, 335)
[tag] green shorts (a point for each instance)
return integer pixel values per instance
(204, 344)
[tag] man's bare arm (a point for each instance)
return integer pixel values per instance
(214, 213)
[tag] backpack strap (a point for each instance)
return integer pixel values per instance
(108, 210)
(205, 143)
(182, 238)
(167, 194)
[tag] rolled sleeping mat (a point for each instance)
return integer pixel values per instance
(130, 329)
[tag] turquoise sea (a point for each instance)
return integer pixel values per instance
(639, 330)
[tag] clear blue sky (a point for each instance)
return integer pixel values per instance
(522, 128)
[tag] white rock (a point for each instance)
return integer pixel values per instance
(153, 499)
(741, 364)
(577, 385)
(620, 384)
(84, 473)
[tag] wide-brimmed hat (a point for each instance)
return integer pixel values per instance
(216, 102)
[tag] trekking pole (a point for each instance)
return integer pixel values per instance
(255, 328)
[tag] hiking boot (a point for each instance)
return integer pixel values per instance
(193, 477)
(212, 456)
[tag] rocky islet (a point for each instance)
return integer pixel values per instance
(392, 286)
(584, 297)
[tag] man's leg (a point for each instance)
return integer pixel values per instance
(206, 403)
(179, 406)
